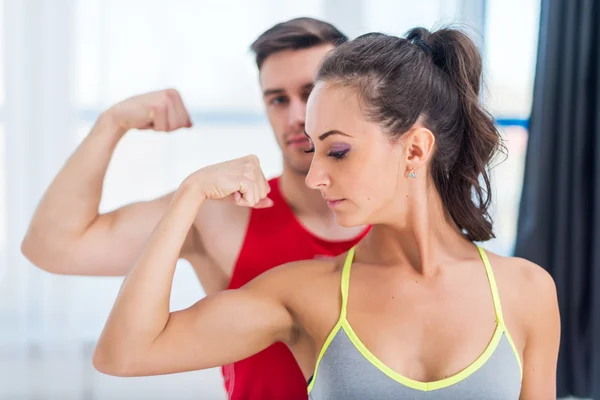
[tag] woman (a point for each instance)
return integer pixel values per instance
(400, 142)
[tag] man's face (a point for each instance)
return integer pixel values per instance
(286, 79)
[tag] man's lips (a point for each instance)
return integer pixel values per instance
(303, 140)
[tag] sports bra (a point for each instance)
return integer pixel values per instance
(346, 369)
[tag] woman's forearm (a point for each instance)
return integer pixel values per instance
(142, 308)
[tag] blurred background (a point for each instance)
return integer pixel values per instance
(64, 61)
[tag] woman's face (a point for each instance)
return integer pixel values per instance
(361, 173)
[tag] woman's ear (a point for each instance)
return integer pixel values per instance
(418, 144)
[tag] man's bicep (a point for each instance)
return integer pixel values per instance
(113, 241)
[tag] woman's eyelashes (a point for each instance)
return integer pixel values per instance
(338, 150)
(337, 153)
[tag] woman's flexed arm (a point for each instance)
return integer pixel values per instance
(142, 336)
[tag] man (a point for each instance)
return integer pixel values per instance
(227, 245)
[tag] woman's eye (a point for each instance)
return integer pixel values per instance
(338, 154)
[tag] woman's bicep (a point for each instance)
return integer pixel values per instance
(217, 330)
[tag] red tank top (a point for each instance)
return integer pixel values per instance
(274, 237)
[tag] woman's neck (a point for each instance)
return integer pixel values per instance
(422, 236)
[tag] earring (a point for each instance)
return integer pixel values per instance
(412, 174)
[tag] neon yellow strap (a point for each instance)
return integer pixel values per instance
(419, 385)
(493, 287)
(344, 286)
(346, 281)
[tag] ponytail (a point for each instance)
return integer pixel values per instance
(456, 55)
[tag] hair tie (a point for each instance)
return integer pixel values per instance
(420, 43)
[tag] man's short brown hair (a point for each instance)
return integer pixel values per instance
(295, 34)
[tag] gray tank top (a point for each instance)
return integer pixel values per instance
(347, 370)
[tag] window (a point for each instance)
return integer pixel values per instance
(510, 56)
(201, 48)
(396, 17)
(129, 47)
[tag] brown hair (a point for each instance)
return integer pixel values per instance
(295, 34)
(435, 76)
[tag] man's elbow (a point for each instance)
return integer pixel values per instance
(114, 363)
(35, 252)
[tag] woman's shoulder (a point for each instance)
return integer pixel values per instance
(309, 289)
(299, 275)
(524, 275)
(527, 291)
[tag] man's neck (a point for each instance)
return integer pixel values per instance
(301, 199)
(310, 208)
